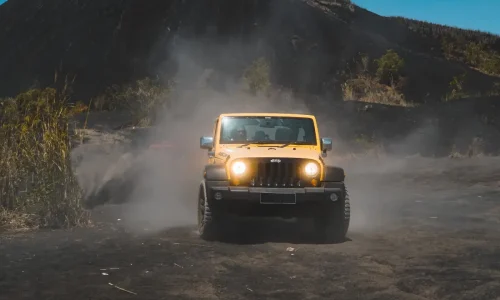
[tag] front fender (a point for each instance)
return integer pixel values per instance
(215, 172)
(334, 174)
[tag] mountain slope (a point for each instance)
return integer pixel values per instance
(309, 43)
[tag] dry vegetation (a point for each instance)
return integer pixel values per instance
(37, 184)
(257, 76)
(477, 49)
(144, 98)
(379, 81)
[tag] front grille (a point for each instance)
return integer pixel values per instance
(279, 173)
(276, 174)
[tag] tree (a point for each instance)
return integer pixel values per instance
(389, 66)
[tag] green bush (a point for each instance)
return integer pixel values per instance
(389, 66)
(456, 88)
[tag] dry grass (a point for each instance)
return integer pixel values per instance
(144, 99)
(366, 88)
(475, 149)
(257, 76)
(11, 220)
(37, 184)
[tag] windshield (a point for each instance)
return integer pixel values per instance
(268, 130)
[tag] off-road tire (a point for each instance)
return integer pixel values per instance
(208, 223)
(333, 222)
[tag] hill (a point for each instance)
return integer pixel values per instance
(310, 44)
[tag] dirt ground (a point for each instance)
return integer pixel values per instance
(420, 230)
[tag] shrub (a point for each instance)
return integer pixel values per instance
(257, 76)
(456, 88)
(389, 66)
(474, 53)
(144, 99)
(37, 183)
(365, 88)
(490, 65)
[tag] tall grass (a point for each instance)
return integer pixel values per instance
(37, 185)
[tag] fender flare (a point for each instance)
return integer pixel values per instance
(215, 172)
(334, 174)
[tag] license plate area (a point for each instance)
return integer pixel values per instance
(271, 198)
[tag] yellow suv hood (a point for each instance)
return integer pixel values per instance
(292, 151)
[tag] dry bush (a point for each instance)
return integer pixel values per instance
(258, 75)
(366, 88)
(144, 98)
(382, 86)
(37, 184)
(16, 220)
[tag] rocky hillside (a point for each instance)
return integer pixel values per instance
(311, 44)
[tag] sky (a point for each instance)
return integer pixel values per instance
(468, 14)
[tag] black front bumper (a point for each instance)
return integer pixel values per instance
(263, 201)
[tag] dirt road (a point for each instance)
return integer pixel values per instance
(422, 230)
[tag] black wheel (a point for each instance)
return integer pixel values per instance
(333, 222)
(207, 223)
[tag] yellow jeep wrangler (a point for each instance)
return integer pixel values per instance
(271, 165)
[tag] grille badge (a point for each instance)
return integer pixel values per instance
(275, 160)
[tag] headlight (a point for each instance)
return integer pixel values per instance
(311, 169)
(239, 168)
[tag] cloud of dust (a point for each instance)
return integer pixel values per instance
(384, 185)
(159, 186)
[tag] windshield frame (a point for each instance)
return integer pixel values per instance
(221, 141)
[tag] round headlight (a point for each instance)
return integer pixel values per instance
(311, 169)
(239, 168)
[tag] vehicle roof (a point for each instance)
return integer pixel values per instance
(266, 115)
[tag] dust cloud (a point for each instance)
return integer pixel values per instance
(157, 188)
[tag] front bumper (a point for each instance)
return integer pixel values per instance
(263, 201)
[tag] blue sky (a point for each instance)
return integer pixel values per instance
(469, 14)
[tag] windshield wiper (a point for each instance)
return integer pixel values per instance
(286, 144)
(256, 142)
(293, 143)
(244, 145)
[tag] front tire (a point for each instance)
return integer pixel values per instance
(207, 221)
(333, 222)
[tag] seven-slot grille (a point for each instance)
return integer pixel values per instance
(277, 172)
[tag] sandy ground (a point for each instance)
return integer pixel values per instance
(421, 229)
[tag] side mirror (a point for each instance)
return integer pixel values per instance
(326, 144)
(206, 142)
